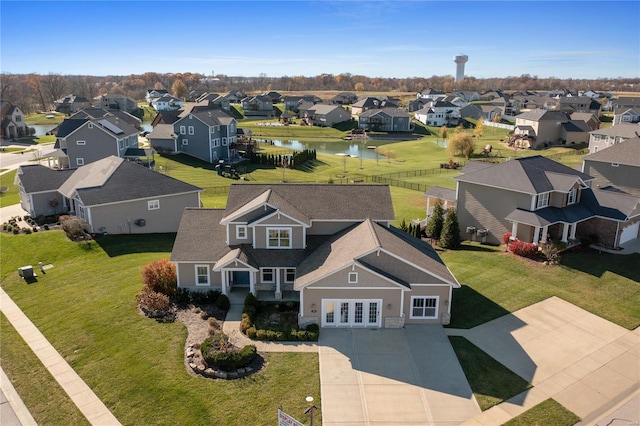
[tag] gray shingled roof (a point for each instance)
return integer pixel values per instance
(445, 194)
(392, 112)
(321, 201)
(357, 241)
(162, 131)
(69, 125)
(194, 245)
(38, 178)
(623, 129)
(626, 152)
(543, 114)
(532, 175)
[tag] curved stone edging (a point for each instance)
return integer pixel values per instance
(196, 367)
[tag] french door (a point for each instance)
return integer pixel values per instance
(351, 313)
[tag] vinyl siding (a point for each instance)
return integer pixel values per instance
(604, 173)
(98, 145)
(187, 277)
(397, 268)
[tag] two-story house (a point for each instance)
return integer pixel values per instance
(167, 102)
(385, 120)
(292, 103)
(71, 103)
(330, 247)
(544, 128)
(431, 94)
(153, 94)
(116, 102)
(573, 104)
(440, 113)
(84, 140)
(12, 118)
(537, 199)
(325, 115)
(260, 105)
(603, 138)
(624, 115)
(209, 135)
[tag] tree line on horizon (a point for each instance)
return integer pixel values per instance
(37, 92)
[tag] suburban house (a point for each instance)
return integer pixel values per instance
(571, 104)
(213, 101)
(275, 96)
(153, 94)
(431, 94)
(115, 101)
(13, 125)
(616, 166)
(467, 95)
(608, 136)
(325, 115)
(478, 111)
(71, 103)
(330, 247)
(365, 104)
(235, 96)
(344, 98)
(81, 141)
(537, 199)
(292, 103)
(112, 195)
(543, 128)
(94, 113)
(260, 105)
(209, 135)
(418, 104)
(440, 113)
(166, 102)
(592, 121)
(385, 120)
(626, 115)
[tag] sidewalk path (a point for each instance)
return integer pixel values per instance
(13, 412)
(88, 403)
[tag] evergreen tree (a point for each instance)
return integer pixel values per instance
(434, 226)
(403, 225)
(450, 236)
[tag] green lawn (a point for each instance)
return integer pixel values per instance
(547, 413)
(85, 306)
(495, 283)
(35, 140)
(149, 112)
(42, 119)
(10, 196)
(490, 381)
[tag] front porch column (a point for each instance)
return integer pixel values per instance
(223, 282)
(278, 295)
(545, 231)
(252, 282)
(536, 235)
(573, 228)
(565, 232)
(514, 229)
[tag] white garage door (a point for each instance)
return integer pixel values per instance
(351, 312)
(629, 233)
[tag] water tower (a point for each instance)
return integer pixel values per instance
(460, 60)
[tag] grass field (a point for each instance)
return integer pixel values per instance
(42, 119)
(548, 412)
(490, 381)
(85, 306)
(149, 112)
(10, 196)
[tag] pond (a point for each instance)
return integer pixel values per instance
(42, 129)
(351, 148)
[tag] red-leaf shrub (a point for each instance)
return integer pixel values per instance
(506, 237)
(152, 303)
(160, 276)
(523, 249)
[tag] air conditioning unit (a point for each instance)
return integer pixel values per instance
(26, 271)
(471, 230)
(140, 222)
(481, 233)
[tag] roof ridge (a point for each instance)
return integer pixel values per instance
(373, 232)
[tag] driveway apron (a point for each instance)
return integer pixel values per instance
(392, 377)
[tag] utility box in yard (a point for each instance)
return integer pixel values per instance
(26, 271)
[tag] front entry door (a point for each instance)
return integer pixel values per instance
(351, 313)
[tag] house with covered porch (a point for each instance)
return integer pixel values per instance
(329, 247)
(537, 199)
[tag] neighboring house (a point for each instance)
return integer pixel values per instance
(573, 104)
(344, 98)
(292, 103)
(544, 128)
(71, 103)
(153, 94)
(537, 199)
(603, 138)
(440, 113)
(484, 111)
(94, 113)
(590, 119)
(326, 115)
(115, 101)
(81, 141)
(13, 125)
(445, 195)
(166, 117)
(491, 95)
(467, 95)
(330, 247)
(112, 195)
(257, 106)
(625, 102)
(275, 96)
(235, 97)
(162, 138)
(623, 115)
(385, 120)
(418, 104)
(167, 102)
(365, 104)
(431, 94)
(209, 135)
(617, 166)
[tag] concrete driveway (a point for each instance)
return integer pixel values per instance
(405, 376)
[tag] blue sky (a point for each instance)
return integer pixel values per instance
(573, 39)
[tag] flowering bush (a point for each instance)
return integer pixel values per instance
(506, 237)
(523, 249)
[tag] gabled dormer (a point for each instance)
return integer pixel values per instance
(564, 190)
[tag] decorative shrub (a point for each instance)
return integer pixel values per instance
(523, 249)
(75, 227)
(160, 276)
(217, 352)
(251, 332)
(26, 230)
(506, 237)
(16, 231)
(450, 237)
(223, 303)
(314, 328)
(434, 225)
(245, 323)
(153, 304)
